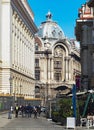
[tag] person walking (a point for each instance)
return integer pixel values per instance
(16, 110)
(35, 112)
(22, 109)
(29, 110)
(39, 110)
(11, 109)
(10, 113)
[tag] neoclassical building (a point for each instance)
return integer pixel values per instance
(57, 60)
(17, 29)
(85, 35)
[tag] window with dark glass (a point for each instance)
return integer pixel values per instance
(37, 90)
(36, 47)
(57, 64)
(37, 74)
(57, 76)
(36, 62)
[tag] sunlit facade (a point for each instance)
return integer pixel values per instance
(57, 60)
(17, 31)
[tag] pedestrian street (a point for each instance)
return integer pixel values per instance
(41, 123)
(20, 123)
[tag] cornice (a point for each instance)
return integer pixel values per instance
(26, 5)
(23, 12)
(23, 74)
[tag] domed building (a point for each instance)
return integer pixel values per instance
(57, 61)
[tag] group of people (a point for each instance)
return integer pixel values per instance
(26, 111)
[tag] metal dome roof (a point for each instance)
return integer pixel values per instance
(50, 29)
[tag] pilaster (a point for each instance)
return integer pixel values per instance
(5, 35)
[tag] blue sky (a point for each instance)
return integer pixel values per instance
(64, 12)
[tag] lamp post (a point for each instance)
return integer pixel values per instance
(20, 93)
(47, 52)
(10, 79)
(11, 90)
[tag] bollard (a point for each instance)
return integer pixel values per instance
(9, 115)
(89, 123)
(83, 122)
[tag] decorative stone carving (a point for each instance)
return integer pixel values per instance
(58, 52)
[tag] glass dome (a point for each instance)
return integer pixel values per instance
(50, 29)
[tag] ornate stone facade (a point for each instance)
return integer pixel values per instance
(85, 34)
(17, 31)
(57, 60)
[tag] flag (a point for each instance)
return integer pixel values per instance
(78, 80)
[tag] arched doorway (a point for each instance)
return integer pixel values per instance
(62, 90)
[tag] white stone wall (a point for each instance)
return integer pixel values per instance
(5, 34)
(0, 34)
(17, 52)
(22, 47)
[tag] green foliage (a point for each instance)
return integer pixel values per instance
(65, 107)
(80, 107)
(55, 113)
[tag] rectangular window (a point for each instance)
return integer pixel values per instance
(57, 76)
(57, 64)
(36, 62)
(37, 74)
(36, 47)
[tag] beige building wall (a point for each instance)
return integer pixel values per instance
(57, 61)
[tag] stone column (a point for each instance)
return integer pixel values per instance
(49, 69)
(93, 63)
(66, 68)
(92, 73)
(93, 34)
(84, 57)
(52, 69)
(13, 39)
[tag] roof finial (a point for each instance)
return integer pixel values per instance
(49, 16)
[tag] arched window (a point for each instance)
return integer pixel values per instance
(58, 62)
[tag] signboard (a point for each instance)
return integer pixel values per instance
(70, 122)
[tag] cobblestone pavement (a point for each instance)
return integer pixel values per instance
(40, 123)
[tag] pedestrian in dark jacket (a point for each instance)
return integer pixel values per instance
(16, 110)
(29, 110)
(22, 110)
(35, 112)
(39, 110)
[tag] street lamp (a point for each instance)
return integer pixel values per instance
(20, 93)
(10, 79)
(12, 91)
